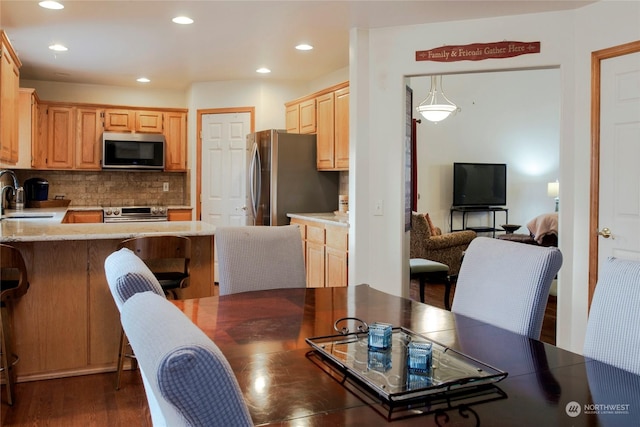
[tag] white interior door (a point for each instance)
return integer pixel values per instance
(619, 192)
(224, 168)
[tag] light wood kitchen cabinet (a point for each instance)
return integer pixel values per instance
(60, 137)
(301, 116)
(9, 101)
(123, 120)
(336, 256)
(39, 145)
(326, 253)
(83, 217)
(179, 214)
(330, 123)
(69, 135)
(28, 127)
(148, 121)
(175, 134)
(333, 130)
(292, 118)
(325, 135)
(119, 120)
(88, 139)
(341, 129)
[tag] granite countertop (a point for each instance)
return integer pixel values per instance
(45, 224)
(323, 217)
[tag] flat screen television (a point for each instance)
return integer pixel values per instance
(479, 184)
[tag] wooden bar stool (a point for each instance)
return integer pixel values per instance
(168, 257)
(13, 285)
(431, 271)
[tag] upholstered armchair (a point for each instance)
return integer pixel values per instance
(428, 242)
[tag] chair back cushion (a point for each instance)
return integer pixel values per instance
(506, 284)
(127, 275)
(614, 318)
(186, 372)
(259, 257)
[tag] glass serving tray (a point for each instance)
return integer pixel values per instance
(385, 372)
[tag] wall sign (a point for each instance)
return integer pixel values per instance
(478, 51)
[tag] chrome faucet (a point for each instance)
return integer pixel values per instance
(5, 188)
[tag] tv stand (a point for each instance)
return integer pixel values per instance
(466, 210)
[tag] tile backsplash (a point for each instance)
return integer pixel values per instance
(124, 188)
(114, 188)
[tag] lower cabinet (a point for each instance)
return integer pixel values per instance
(179, 214)
(83, 217)
(325, 249)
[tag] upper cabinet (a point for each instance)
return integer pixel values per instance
(88, 138)
(9, 101)
(301, 116)
(69, 136)
(28, 126)
(326, 114)
(121, 120)
(175, 135)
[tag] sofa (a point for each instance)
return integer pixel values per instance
(543, 231)
(428, 242)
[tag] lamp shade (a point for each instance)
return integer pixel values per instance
(436, 106)
(553, 189)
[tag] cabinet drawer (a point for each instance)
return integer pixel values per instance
(337, 238)
(315, 234)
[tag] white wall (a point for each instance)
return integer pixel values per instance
(510, 117)
(567, 39)
(110, 95)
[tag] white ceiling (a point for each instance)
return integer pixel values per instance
(113, 42)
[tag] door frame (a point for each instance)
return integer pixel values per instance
(596, 59)
(200, 113)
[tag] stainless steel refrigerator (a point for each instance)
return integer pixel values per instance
(283, 178)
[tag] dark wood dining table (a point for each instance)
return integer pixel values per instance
(285, 382)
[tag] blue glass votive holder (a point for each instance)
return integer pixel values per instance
(379, 360)
(380, 335)
(419, 357)
(418, 381)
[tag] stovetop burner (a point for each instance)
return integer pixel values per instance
(135, 214)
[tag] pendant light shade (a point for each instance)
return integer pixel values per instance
(436, 106)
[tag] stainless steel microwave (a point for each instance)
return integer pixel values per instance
(143, 151)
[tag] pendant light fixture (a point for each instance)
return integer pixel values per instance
(436, 106)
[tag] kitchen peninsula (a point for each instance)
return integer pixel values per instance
(67, 324)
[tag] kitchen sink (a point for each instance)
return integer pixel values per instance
(28, 216)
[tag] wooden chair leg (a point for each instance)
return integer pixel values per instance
(447, 293)
(121, 351)
(6, 349)
(422, 283)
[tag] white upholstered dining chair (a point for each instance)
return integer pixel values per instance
(506, 284)
(128, 275)
(259, 257)
(614, 318)
(189, 377)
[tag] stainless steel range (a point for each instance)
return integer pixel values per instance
(135, 214)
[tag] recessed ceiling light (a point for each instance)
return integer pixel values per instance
(304, 46)
(49, 4)
(143, 80)
(58, 48)
(184, 20)
(263, 70)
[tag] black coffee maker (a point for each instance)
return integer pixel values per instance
(36, 189)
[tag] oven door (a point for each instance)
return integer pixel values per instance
(136, 219)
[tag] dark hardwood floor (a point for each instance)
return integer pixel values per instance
(91, 400)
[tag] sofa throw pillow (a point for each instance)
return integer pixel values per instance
(435, 231)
